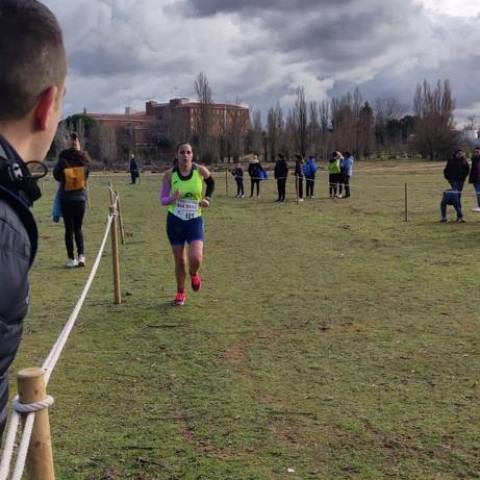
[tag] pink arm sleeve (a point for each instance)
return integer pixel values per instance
(165, 194)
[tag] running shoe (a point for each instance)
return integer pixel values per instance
(196, 282)
(179, 299)
(81, 260)
(72, 263)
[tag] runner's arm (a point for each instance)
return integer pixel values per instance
(165, 196)
(207, 177)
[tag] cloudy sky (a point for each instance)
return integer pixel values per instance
(124, 52)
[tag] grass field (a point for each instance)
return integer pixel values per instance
(331, 340)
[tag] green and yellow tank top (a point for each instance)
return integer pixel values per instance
(191, 187)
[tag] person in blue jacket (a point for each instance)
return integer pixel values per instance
(346, 167)
(309, 170)
(34, 66)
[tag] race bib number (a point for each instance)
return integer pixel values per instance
(187, 209)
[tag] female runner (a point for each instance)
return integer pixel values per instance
(182, 191)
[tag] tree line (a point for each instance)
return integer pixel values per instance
(366, 129)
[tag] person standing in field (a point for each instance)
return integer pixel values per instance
(280, 173)
(456, 170)
(310, 168)
(133, 169)
(299, 163)
(474, 177)
(255, 171)
(182, 192)
(72, 171)
(237, 173)
(451, 197)
(34, 67)
(334, 173)
(346, 172)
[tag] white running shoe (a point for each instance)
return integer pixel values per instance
(72, 263)
(476, 209)
(81, 260)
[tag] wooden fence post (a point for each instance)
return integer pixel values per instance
(226, 181)
(120, 219)
(32, 389)
(89, 200)
(406, 202)
(115, 258)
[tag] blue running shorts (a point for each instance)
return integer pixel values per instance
(180, 231)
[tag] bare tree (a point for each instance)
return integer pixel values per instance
(203, 118)
(275, 129)
(324, 112)
(299, 119)
(256, 134)
(435, 135)
(388, 129)
(365, 129)
(314, 132)
(105, 138)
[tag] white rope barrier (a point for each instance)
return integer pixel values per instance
(48, 366)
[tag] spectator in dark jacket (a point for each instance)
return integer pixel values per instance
(237, 173)
(280, 173)
(299, 162)
(71, 171)
(33, 63)
(456, 170)
(255, 170)
(133, 168)
(474, 178)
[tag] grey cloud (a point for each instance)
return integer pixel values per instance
(259, 51)
(249, 7)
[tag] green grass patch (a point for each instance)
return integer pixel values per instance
(331, 340)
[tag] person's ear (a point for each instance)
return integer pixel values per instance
(46, 107)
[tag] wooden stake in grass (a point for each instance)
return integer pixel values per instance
(112, 193)
(406, 202)
(89, 200)
(226, 181)
(296, 187)
(120, 219)
(115, 258)
(31, 389)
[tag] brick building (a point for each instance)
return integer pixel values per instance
(175, 120)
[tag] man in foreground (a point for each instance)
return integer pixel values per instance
(33, 62)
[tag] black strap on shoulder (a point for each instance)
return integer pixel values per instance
(25, 216)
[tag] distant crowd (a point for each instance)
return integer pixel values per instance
(340, 170)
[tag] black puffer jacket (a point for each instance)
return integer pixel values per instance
(18, 245)
(456, 169)
(475, 170)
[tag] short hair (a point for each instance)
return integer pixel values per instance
(32, 55)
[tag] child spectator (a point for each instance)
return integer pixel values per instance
(237, 172)
(334, 173)
(451, 197)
